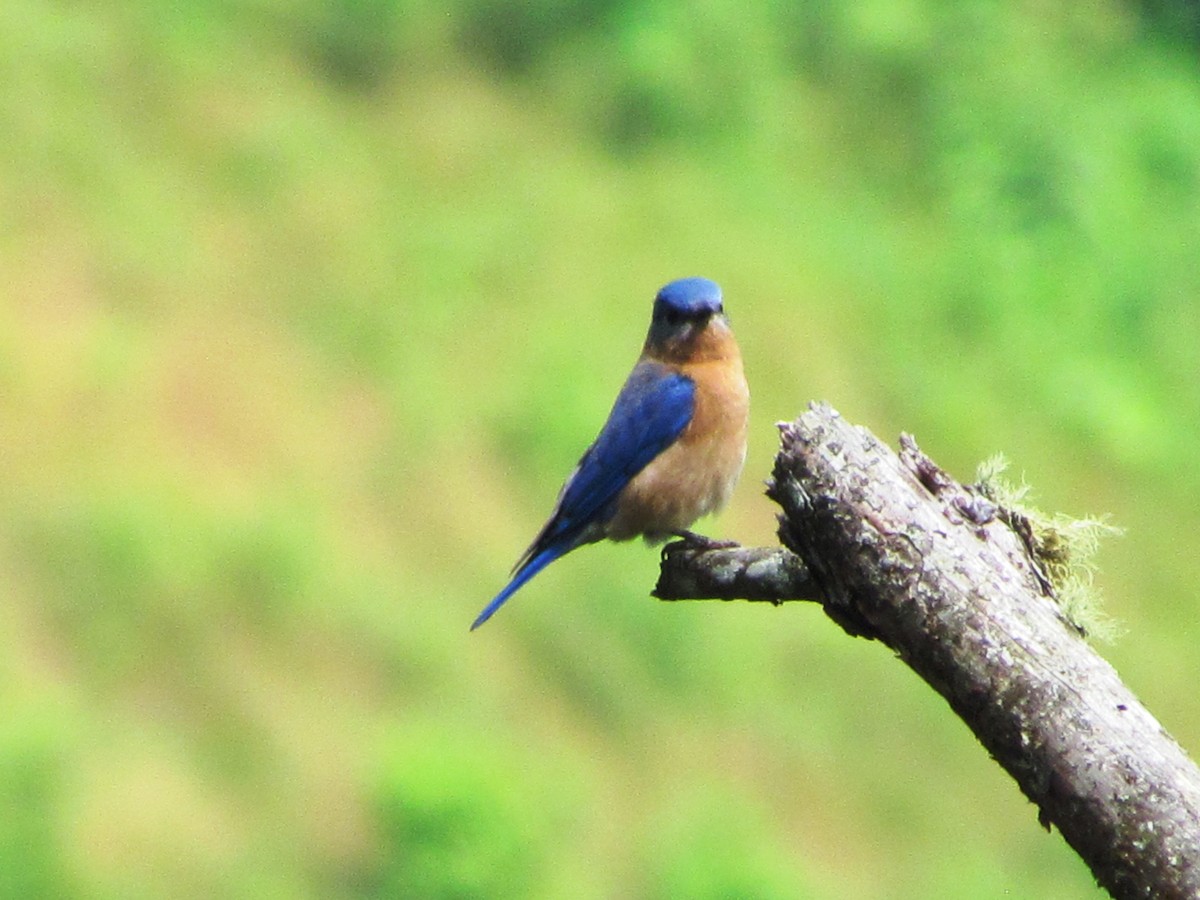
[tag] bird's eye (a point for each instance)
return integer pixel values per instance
(674, 317)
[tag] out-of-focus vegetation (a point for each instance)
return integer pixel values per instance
(306, 309)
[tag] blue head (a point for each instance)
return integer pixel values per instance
(685, 311)
(688, 298)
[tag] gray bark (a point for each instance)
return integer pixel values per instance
(896, 550)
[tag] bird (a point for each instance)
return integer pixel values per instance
(672, 447)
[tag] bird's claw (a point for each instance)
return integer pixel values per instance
(689, 540)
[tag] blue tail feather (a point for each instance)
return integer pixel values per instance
(527, 571)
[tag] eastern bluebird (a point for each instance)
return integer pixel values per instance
(673, 446)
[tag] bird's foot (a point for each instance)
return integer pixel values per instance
(692, 541)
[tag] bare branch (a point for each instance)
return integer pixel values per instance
(772, 574)
(897, 550)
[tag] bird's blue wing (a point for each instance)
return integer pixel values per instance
(652, 410)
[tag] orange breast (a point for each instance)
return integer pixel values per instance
(696, 475)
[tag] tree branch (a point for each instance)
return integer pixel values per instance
(773, 574)
(897, 550)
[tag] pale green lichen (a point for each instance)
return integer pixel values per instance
(1063, 547)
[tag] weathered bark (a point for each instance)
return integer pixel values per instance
(894, 549)
(773, 574)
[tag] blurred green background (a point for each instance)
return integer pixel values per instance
(308, 307)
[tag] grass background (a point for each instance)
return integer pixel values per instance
(307, 308)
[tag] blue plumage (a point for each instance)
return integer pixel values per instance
(687, 394)
(654, 406)
(689, 296)
(530, 568)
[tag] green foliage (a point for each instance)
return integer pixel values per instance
(33, 742)
(453, 826)
(307, 309)
(717, 848)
